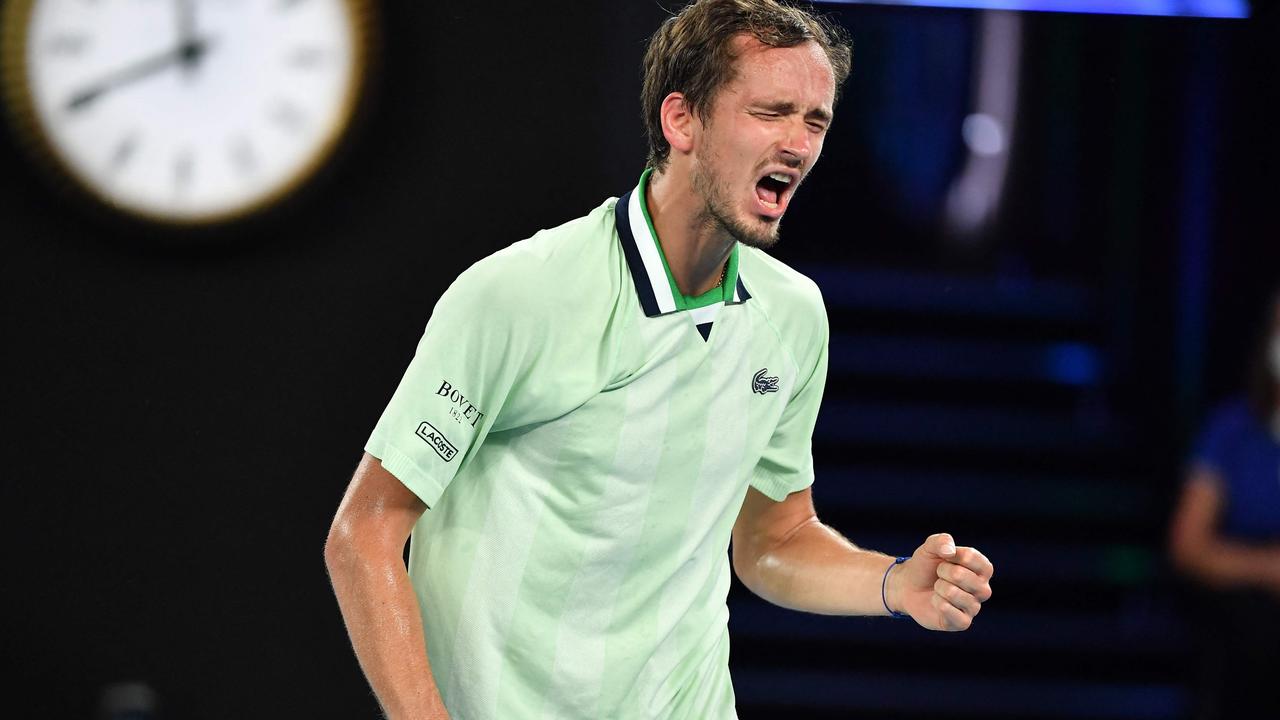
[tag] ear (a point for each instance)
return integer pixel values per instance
(677, 122)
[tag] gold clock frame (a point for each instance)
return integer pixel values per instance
(30, 134)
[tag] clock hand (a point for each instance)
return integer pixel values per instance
(186, 52)
(185, 15)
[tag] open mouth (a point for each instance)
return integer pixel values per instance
(772, 191)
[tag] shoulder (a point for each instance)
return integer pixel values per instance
(783, 285)
(544, 275)
(790, 300)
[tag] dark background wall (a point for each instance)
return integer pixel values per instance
(182, 412)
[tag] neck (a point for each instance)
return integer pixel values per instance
(695, 246)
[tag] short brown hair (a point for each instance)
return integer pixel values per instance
(692, 53)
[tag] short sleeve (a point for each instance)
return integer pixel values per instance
(460, 384)
(787, 463)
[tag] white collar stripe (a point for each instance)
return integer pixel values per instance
(706, 314)
(648, 247)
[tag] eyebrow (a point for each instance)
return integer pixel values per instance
(787, 108)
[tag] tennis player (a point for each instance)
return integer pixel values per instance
(594, 412)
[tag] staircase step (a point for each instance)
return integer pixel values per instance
(947, 294)
(1073, 364)
(988, 428)
(1138, 632)
(944, 692)
(1022, 495)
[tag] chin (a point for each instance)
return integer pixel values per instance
(746, 228)
(753, 232)
(759, 241)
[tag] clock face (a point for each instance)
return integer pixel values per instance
(191, 110)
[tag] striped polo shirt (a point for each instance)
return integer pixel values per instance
(584, 435)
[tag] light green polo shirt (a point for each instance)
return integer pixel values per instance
(584, 436)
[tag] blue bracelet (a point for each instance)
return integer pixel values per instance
(884, 581)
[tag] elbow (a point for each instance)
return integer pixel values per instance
(1181, 562)
(338, 545)
(767, 577)
(1181, 554)
(762, 562)
(1189, 555)
(354, 542)
(754, 571)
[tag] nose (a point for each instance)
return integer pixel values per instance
(797, 144)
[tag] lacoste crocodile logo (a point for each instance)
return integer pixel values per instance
(762, 383)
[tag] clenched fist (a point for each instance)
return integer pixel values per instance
(941, 586)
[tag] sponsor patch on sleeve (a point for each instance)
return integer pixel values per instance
(437, 441)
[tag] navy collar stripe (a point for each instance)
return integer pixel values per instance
(648, 273)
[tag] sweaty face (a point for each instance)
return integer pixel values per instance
(760, 137)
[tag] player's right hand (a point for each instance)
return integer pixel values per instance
(942, 586)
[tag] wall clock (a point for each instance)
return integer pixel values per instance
(188, 112)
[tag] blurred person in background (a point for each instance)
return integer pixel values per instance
(1225, 537)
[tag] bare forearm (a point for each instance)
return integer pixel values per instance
(817, 570)
(1223, 563)
(1198, 548)
(381, 613)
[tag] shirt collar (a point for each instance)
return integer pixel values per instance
(655, 287)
